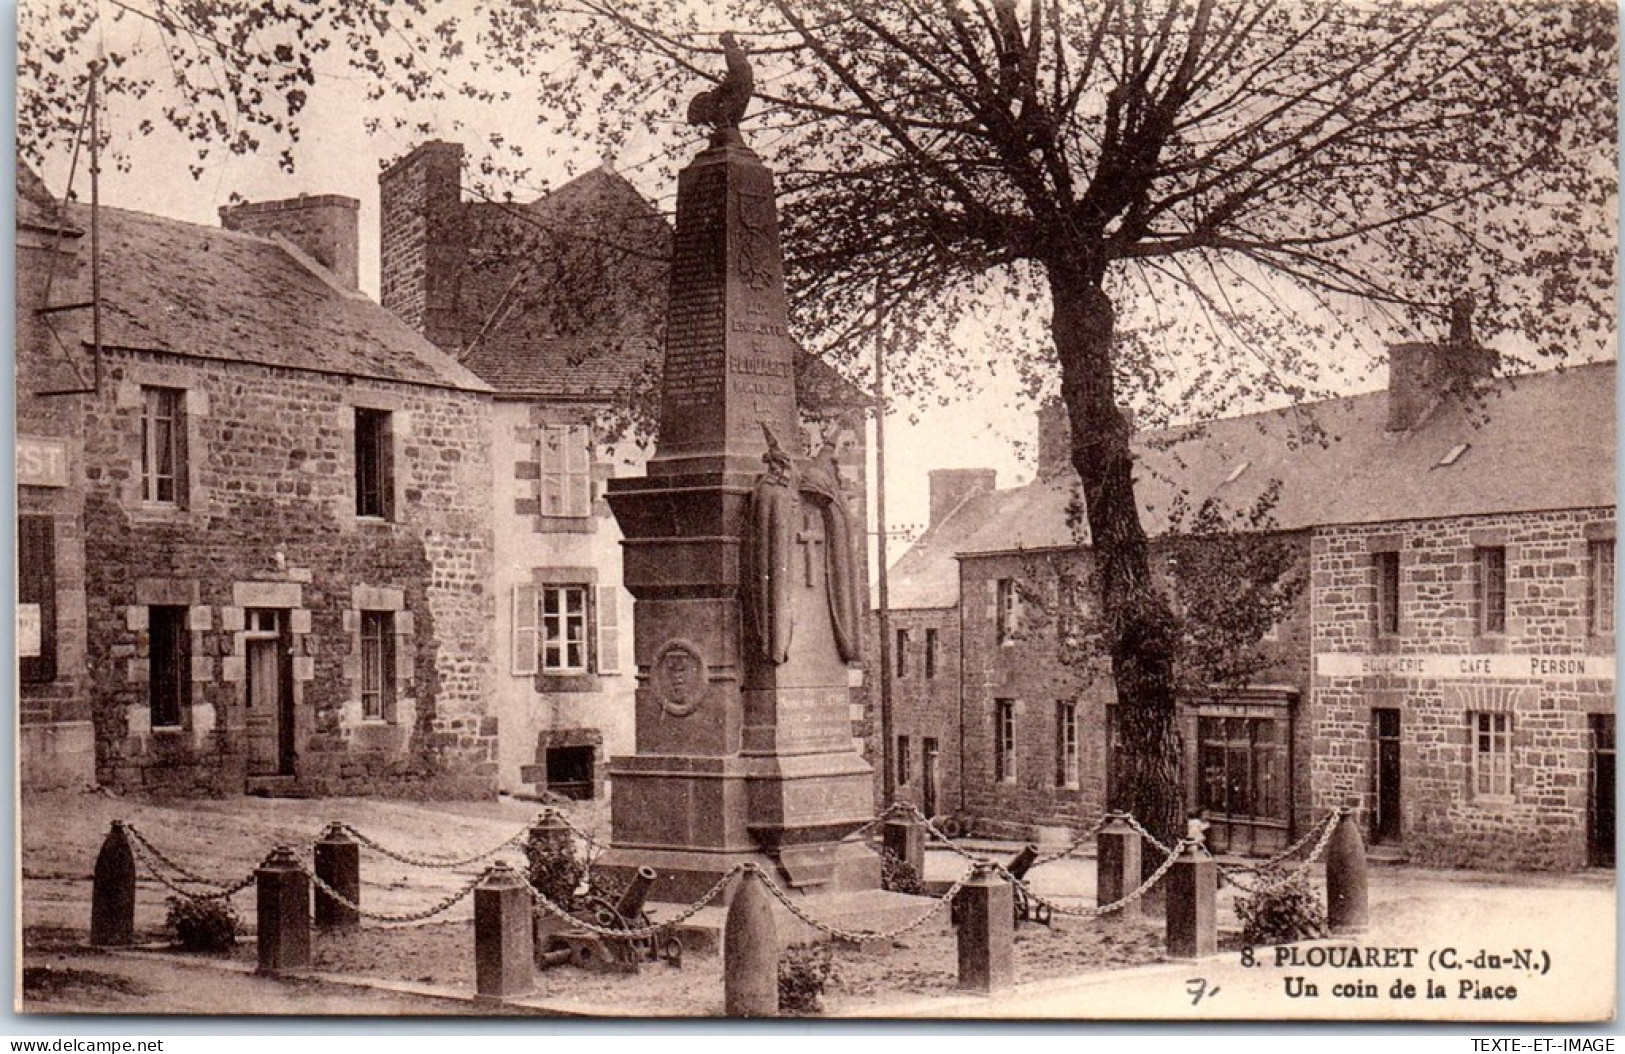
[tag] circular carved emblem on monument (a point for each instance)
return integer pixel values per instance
(679, 678)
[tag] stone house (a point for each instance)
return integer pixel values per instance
(1449, 668)
(559, 305)
(255, 512)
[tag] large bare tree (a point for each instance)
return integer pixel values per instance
(1171, 203)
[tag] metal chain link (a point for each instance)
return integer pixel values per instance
(433, 862)
(580, 833)
(139, 839)
(935, 832)
(223, 892)
(444, 904)
(858, 935)
(1117, 905)
(1077, 843)
(1128, 818)
(640, 932)
(1267, 884)
(1314, 832)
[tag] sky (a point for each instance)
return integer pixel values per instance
(991, 427)
(337, 154)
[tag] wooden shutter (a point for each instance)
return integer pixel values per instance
(607, 648)
(36, 584)
(550, 456)
(578, 473)
(524, 630)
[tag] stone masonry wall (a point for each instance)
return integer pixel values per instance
(55, 745)
(268, 520)
(1029, 670)
(1542, 824)
(923, 707)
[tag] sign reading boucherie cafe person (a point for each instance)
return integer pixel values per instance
(1457, 667)
(41, 462)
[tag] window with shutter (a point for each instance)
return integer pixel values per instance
(566, 477)
(607, 652)
(525, 641)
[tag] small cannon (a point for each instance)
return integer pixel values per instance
(559, 943)
(1027, 909)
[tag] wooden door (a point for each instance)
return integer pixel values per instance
(270, 696)
(1600, 828)
(1385, 778)
(928, 791)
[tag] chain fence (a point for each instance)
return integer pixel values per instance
(861, 936)
(1265, 877)
(445, 903)
(1268, 877)
(1104, 909)
(635, 932)
(1077, 843)
(155, 859)
(516, 840)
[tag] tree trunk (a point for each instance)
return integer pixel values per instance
(1138, 626)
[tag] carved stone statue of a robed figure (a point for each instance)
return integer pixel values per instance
(741, 556)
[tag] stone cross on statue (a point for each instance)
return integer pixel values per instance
(810, 538)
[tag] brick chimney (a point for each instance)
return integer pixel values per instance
(325, 227)
(1054, 440)
(421, 239)
(1421, 376)
(951, 486)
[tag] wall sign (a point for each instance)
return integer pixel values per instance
(42, 462)
(1467, 667)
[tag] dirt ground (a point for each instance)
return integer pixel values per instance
(225, 840)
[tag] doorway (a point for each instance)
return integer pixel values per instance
(1600, 825)
(929, 776)
(1385, 781)
(1244, 786)
(269, 701)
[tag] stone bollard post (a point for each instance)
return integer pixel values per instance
(504, 947)
(750, 952)
(1347, 907)
(549, 831)
(1192, 886)
(905, 839)
(282, 912)
(338, 863)
(112, 891)
(1117, 863)
(987, 932)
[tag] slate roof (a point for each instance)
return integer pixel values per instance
(1535, 442)
(586, 320)
(211, 293)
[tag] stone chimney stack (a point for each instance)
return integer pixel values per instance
(1054, 440)
(950, 486)
(325, 227)
(422, 239)
(1420, 376)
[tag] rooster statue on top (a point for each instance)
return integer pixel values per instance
(723, 107)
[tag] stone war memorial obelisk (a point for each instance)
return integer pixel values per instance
(741, 558)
